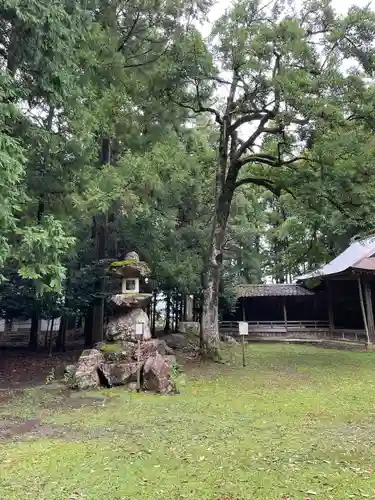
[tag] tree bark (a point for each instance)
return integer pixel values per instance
(176, 312)
(50, 340)
(214, 264)
(34, 331)
(100, 224)
(153, 318)
(60, 340)
(167, 327)
(88, 328)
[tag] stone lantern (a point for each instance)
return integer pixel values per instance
(129, 355)
(128, 306)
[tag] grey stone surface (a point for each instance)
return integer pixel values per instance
(122, 326)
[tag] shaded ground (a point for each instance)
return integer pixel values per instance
(21, 368)
(297, 422)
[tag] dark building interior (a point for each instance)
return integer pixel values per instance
(346, 306)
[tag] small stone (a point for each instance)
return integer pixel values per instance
(70, 370)
(132, 386)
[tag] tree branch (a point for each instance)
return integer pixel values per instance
(250, 141)
(201, 109)
(273, 130)
(272, 161)
(150, 61)
(257, 115)
(275, 72)
(130, 32)
(266, 183)
(258, 182)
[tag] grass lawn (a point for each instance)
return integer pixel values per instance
(298, 422)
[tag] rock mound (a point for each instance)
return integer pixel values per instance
(113, 364)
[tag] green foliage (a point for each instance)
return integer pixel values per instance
(78, 74)
(291, 119)
(178, 378)
(42, 248)
(180, 112)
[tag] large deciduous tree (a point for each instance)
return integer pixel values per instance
(280, 86)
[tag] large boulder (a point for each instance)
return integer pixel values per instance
(189, 327)
(157, 375)
(86, 375)
(176, 341)
(122, 326)
(119, 373)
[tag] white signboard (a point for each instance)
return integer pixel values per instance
(243, 328)
(139, 328)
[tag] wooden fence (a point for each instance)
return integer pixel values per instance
(291, 329)
(20, 338)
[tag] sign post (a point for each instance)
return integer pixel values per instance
(243, 330)
(139, 329)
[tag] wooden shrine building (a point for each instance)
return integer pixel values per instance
(337, 299)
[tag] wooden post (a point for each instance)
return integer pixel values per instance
(153, 316)
(330, 308)
(369, 310)
(50, 337)
(184, 306)
(167, 327)
(363, 308)
(243, 351)
(285, 315)
(139, 365)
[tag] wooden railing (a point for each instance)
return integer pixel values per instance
(257, 326)
(298, 329)
(20, 338)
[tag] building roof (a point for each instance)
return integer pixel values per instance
(274, 290)
(356, 256)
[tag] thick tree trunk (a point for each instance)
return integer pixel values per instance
(181, 308)
(175, 313)
(50, 340)
(210, 311)
(88, 328)
(153, 317)
(61, 336)
(211, 283)
(100, 224)
(98, 301)
(214, 262)
(167, 327)
(34, 331)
